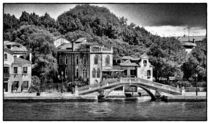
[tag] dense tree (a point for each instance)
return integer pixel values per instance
(35, 84)
(10, 22)
(92, 19)
(47, 21)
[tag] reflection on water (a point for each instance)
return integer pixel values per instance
(124, 110)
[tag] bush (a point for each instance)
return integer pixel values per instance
(35, 84)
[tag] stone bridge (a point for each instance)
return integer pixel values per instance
(111, 84)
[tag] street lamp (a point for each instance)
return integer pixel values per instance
(61, 77)
(196, 79)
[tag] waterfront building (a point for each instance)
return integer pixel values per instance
(18, 50)
(137, 67)
(91, 63)
(84, 61)
(17, 72)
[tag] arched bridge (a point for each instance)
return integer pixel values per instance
(115, 83)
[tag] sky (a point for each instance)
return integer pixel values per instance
(161, 19)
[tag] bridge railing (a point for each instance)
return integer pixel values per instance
(147, 82)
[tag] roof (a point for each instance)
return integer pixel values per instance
(65, 46)
(21, 61)
(15, 46)
(128, 63)
(189, 44)
(144, 55)
(129, 58)
(114, 68)
(81, 40)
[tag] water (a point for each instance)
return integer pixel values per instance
(124, 110)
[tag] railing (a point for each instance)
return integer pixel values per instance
(112, 81)
(147, 82)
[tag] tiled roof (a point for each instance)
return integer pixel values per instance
(129, 58)
(21, 61)
(128, 63)
(64, 46)
(81, 40)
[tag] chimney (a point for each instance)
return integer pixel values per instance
(30, 57)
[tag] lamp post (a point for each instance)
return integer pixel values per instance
(196, 79)
(61, 77)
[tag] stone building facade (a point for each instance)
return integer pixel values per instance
(17, 73)
(83, 60)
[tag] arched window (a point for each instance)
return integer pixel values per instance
(96, 59)
(94, 73)
(145, 62)
(77, 72)
(77, 60)
(22, 57)
(107, 60)
(98, 73)
(148, 74)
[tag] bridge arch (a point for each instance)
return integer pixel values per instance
(138, 85)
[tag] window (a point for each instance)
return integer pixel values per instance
(148, 74)
(5, 86)
(5, 56)
(94, 73)
(145, 62)
(84, 59)
(9, 46)
(96, 59)
(25, 69)
(98, 73)
(77, 60)
(77, 73)
(107, 60)
(6, 70)
(15, 70)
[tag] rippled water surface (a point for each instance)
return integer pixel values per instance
(124, 110)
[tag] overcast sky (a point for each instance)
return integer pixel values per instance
(162, 19)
